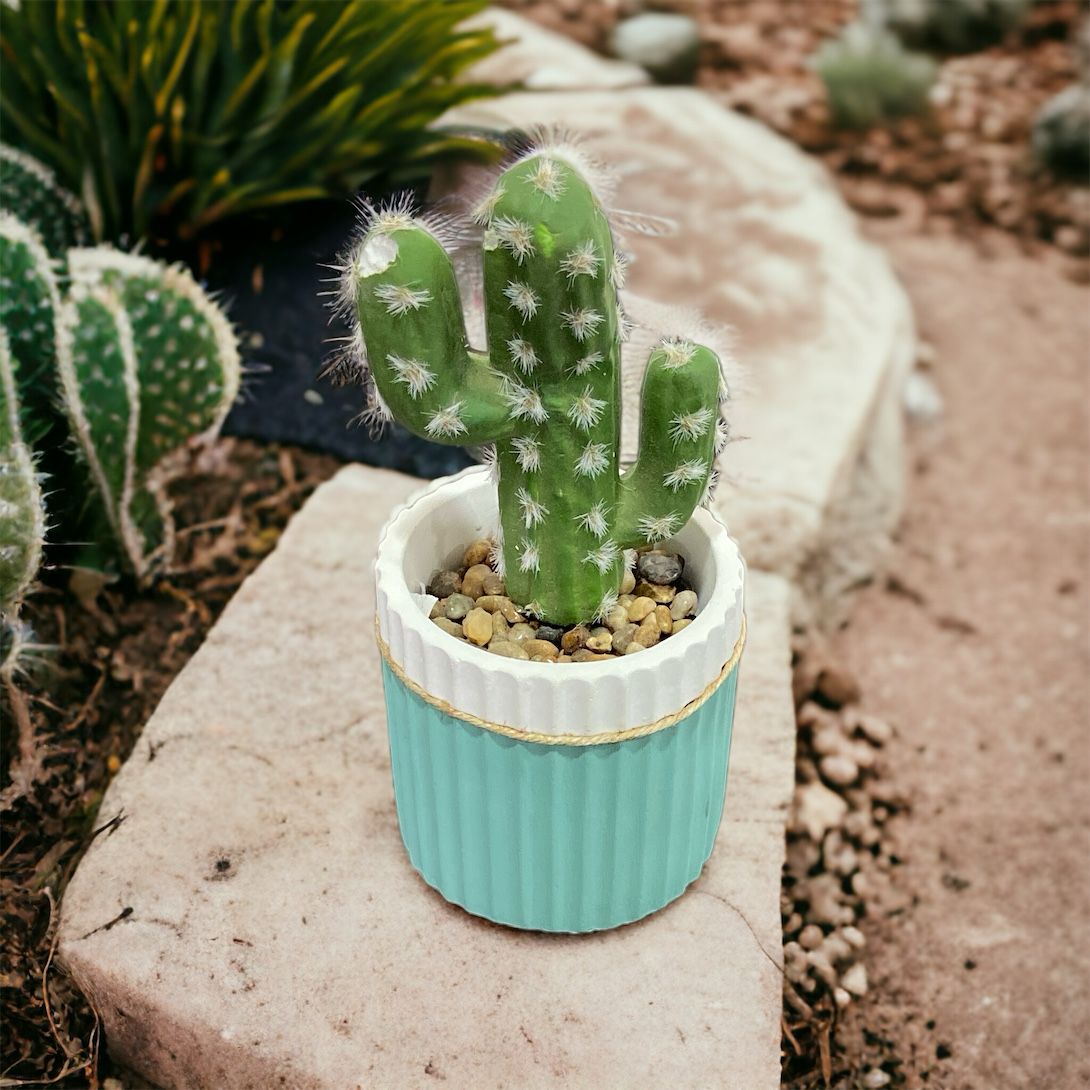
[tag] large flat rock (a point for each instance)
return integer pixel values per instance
(822, 328)
(252, 921)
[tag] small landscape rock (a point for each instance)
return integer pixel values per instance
(616, 618)
(624, 636)
(640, 608)
(876, 1079)
(540, 649)
(584, 654)
(816, 810)
(600, 639)
(843, 998)
(683, 605)
(837, 686)
(477, 626)
(575, 638)
(855, 979)
(473, 580)
(648, 633)
(811, 937)
(683, 623)
(444, 583)
(921, 397)
(550, 633)
(521, 632)
(659, 567)
(655, 592)
(633, 647)
(500, 627)
(494, 584)
(437, 609)
(477, 553)
(458, 605)
(664, 620)
(876, 730)
(839, 769)
(449, 626)
(498, 603)
(508, 650)
(666, 44)
(628, 582)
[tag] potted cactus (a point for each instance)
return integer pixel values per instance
(536, 794)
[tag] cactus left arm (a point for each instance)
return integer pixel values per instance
(679, 411)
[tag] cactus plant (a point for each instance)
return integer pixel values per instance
(29, 304)
(146, 361)
(547, 393)
(22, 514)
(29, 190)
(870, 78)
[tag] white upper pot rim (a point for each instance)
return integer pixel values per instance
(588, 698)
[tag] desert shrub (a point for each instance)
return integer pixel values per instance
(167, 117)
(869, 77)
(952, 26)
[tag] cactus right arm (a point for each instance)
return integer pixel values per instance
(411, 319)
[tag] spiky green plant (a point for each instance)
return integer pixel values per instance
(167, 116)
(29, 304)
(22, 513)
(547, 394)
(870, 78)
(146, 361)
(29, 191)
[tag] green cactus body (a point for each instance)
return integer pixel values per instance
(22, 515)
(29, 302)
(548, 393)
(146, 362)
(30, 191)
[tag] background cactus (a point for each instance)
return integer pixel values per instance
(22, 514)
(146, 361)
(548, 392)
(29, 190)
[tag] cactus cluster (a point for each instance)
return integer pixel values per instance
(120, 356)
(547, 392)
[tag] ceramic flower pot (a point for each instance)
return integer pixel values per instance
(554, 797)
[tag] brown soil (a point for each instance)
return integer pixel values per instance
(968, 161)
(977, 646)
(73, 717)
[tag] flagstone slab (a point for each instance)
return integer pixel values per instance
(252, 920)
(763, 244)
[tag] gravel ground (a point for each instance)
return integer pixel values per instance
(977, 647)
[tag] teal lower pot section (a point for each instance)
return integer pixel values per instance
(558, 837)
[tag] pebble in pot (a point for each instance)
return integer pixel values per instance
(666, 44)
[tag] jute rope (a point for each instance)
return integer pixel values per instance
(563, 739)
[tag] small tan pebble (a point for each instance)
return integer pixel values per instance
(648, 633)
(508, 650)
(616, 618)
(500, 627)
(477, 553)
(838, 686)
(679, 625)
(877, 730)
(437, 609)
(445, 583)
(575, 638)
(633, 647)
(563, 658)
(811, 937)
(449, 626)
(683, 605)
(458, 605)
(625, 601)
(855, 937)
(623, 637)
(843, 999)
(521, 632)
(855, 979)
(640, 608)
(665, 621)
(494, 584)
(540, 649)
(600, 639)
(478, 626)
(584, 654)
(628, 582)
(839, 770)
(495, 603)
(655, 592)
(473, 580)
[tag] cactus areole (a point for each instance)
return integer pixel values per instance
(547, 391)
